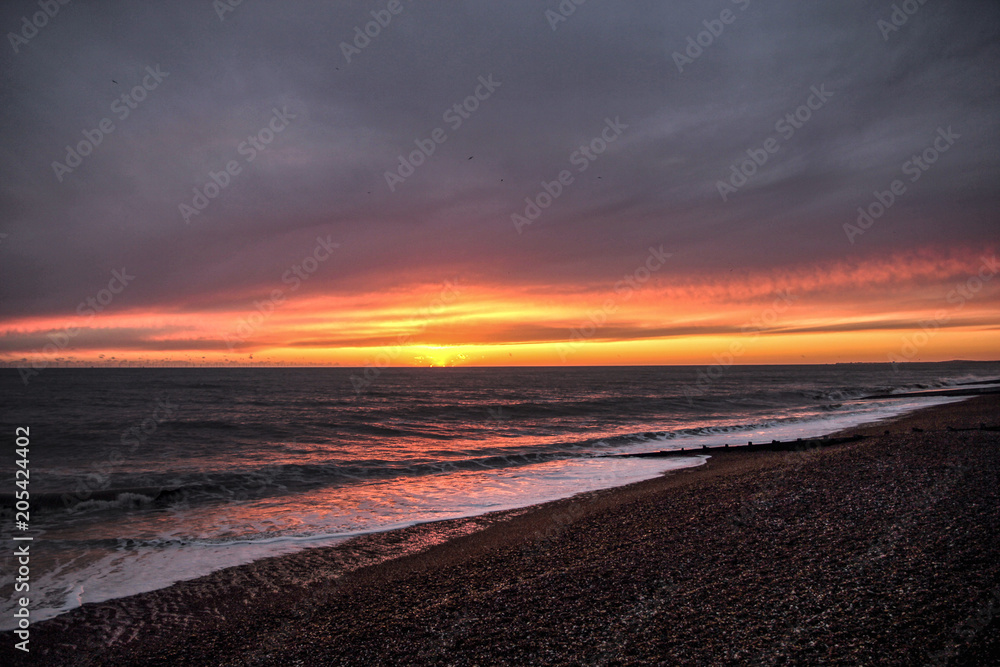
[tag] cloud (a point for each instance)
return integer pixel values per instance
(325, 173)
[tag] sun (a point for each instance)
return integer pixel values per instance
(439, 356)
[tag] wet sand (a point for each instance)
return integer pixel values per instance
(885, 550)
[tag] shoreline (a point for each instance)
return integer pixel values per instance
(283, 597)
(458, 519)
(419, 534)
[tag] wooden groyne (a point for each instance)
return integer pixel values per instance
(773, 446)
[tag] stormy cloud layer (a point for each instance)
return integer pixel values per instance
(215, 80)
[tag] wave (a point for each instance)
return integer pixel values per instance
(130, 492)
(124, 498)
(121, 500)
(263, 481)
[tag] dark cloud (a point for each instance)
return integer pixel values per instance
(323, 173)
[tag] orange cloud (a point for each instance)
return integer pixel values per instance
(851, 310)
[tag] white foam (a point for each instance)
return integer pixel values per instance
(155, 550)
(146, 550)
(851, 414)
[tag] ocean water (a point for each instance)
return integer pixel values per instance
(143, 477)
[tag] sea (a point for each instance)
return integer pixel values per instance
(142, 477)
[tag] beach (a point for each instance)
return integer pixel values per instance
(178, 473)
(500, 333)
(879, 551)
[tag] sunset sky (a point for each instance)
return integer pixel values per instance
(484, 183)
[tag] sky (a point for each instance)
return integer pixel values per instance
(486, 183)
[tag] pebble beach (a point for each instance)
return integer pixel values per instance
(884, 550)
